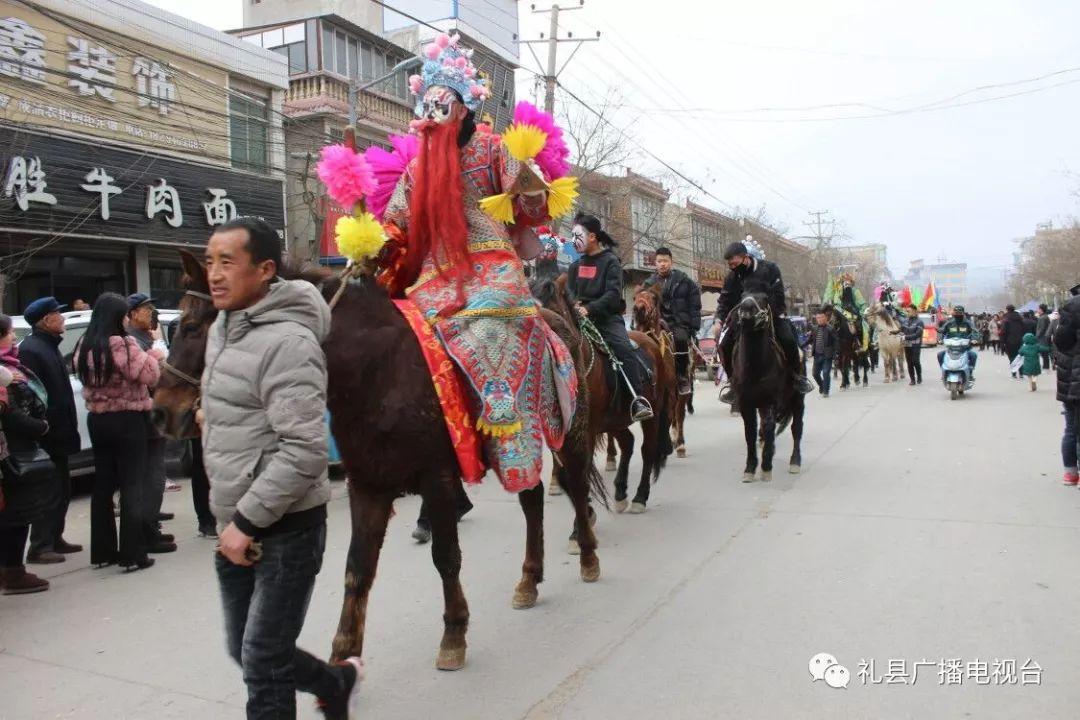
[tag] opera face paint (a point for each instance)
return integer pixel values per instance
(581, 238)
(439, 104)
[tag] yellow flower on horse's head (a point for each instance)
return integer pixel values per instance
(359, 238)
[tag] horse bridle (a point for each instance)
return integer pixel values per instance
(175, 371)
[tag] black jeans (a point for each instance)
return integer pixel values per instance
(13, 545)
(913, 355)
(682, 352)
(119, 440)
(614, 332)
(45, 533)
(823, 373)
(265, 605)
(1071, 411)
(200, 485)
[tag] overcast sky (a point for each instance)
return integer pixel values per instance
(960, 182)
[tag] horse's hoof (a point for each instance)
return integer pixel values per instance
(680, 451)
(637, 508)
(621, 505)
(610, 466)
(794, 469)
(748, 477)
(590, 572)
(572, 548)
(766, 475)
(554, 489)
(421, 535)
(450, 659)
(525, 599)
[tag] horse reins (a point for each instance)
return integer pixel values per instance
(175, 371)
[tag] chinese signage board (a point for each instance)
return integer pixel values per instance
(62, 73)
(80, 189)
(711, 274)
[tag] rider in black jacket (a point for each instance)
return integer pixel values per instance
(681, 310)
(595, 286)
(750, 275)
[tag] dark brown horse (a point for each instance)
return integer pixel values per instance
(648, 319)
(851, 358)
(384, 407)
(609, 412)
(763, 386)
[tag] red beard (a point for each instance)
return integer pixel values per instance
(437, 225)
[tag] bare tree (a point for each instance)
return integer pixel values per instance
(1048, 264)
(596, 143)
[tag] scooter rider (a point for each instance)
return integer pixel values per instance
(751, 275)
(960, 327)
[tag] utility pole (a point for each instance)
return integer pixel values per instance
(816, 227)
(551, 73)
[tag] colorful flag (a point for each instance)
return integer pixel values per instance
(905, 296)
(930, 298)
(916, 297)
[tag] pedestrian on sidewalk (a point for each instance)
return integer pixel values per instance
(823, 344)
(264, 443)
(995, 334)
(40, 352)
(1067, 356)
(1031, 352)
(912, 328)
(29, 488)
(117, 376)
(1042, 334)
(142, 326)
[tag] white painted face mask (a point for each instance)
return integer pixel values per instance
(580, 238)
(439, 103)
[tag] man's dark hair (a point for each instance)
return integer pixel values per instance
(1010, 308)
(263, 241)
(735, 248)
(592, 224)
(1044, 307)
(662, 250)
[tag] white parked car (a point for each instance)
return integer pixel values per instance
(76, 323)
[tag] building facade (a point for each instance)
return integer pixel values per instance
(950, 280)
(125, 134)
(335, 50)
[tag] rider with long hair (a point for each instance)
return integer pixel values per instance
(117, 376)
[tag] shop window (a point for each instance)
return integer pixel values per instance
(164, 286)
(248, 131)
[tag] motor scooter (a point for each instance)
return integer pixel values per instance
(956, 367)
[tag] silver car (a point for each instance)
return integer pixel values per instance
(75, 324)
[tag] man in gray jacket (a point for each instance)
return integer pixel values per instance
(264, 447)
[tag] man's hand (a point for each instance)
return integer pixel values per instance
(199, 418)
(156, 333)
(582, 310)
(234, 544)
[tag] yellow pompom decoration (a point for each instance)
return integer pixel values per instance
(524, 141)
(561, 196)
(500, 207)
(359, 238)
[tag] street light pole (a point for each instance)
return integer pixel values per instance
(355, 90)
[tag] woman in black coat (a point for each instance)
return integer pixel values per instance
(25, 501)
(595, 286)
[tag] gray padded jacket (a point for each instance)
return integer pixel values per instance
(263, 399)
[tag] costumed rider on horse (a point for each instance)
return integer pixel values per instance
(751, 273)
(681, 311)
(889, 299)
(594, 284)
(459, 221)
(960, 327)
(852, 308)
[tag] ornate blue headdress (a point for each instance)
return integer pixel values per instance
(449, 65)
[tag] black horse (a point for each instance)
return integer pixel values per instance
(850, 354)
(763, 386)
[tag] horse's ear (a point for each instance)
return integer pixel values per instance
(194, 271)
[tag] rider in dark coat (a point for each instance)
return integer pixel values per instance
(681, 309)
(751, 275)
(595, 286)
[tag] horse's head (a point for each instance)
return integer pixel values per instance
(753, 311)
(176, 397)
(551, 294)
(647, 302)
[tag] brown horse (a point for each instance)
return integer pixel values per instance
(383, 407)
(609, 412)
(647, 319)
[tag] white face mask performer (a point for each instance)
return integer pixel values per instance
(441, 105)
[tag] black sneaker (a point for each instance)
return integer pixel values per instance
(342, 706)
(640, 410)
(161, 547)
(208, 530)
(422, 534)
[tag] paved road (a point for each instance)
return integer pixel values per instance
(920, 529)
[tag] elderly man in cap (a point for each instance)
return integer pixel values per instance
(40, 352)
(143, 327)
